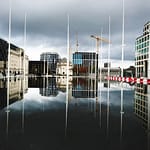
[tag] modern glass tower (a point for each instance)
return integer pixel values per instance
(51, 59)
(84, 63)
(142, 49)
(142, 91)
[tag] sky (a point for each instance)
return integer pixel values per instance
(47, 26)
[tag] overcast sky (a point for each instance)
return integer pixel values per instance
(47, 25)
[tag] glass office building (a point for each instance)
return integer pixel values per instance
(38, 68)
(84, 63)
(142, 62)
(51, 59)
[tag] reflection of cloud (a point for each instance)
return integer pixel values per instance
(34, 102)
(38, 98)
(115, 98)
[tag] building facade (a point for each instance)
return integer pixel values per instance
(62, 67)
(84, 63)
(142, 67)
(114, 71)
(52, 60)
(26, 65)
(142, 48)
(38, 68)
(17, 58)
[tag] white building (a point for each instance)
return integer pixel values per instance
(142, 54)
(17, 57)
(62, 68)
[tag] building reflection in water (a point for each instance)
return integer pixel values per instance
(78, 87)
(47, 86)
(142, 107)
(84, 88)
(17, 88)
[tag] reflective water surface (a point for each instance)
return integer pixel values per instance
(38, 114)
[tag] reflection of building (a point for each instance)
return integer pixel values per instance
(51, 59)
(62, 67)
(142, 104)
(84, 88)
(37, 67)
(17, 87)
(142, 47)
(129, 72)
(49, 87)
(83, 63)
(62, 82)
(35, 82)
(17, 57)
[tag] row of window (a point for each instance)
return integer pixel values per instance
(141, 114)
(141, 91)
(139, 58)
(142, 102)
(138, 63)
(84, 56)
(142, 45)
(141, 108)
(142, 52)
(142, 39)
(86, 62)
(146, 27)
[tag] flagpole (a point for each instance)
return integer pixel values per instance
(8, 66)
(67, 84)
(122, 59)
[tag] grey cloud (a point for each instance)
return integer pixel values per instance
(47, 23)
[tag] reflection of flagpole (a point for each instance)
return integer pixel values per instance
(148, 140)
(67, 84)
(43, 92)
(100, 100)
(122, 58)
(91, 88)
(96, 75)
(108, 91)
(8, 66)
(88, 91)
